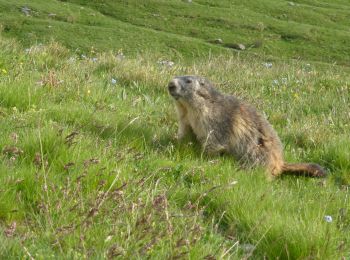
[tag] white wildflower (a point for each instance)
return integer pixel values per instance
(113, 81)
(328, 218)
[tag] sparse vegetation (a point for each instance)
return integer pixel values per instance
(89, 166)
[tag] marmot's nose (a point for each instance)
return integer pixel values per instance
(172, 86)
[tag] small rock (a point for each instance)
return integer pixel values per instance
(237, 46)
(240, 47)
(26, 10)
(51, 15)
(120, 56)
(291, 3)
(268, 65)
(217, 41)
(166, 63)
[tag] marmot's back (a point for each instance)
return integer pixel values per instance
(254, 141)
(225, 124)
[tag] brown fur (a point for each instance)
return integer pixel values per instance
(224, 124)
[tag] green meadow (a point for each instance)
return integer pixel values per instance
(89, 164)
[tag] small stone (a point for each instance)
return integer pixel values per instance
(217, 41)
(26, 10)
(240, 47)
(268, 65)
(166, 63)
(120, 56)
(237, 46)
(291, 3)
(170, 63)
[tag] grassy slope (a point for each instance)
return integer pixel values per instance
(306, 30)
(123, 186)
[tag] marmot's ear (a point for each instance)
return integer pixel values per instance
(201, 82)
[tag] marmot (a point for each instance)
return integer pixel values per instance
(225, 124)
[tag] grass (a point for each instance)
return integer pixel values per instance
(92, 169)
(303, 30)
(89, 163)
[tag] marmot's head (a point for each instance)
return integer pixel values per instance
(191, 89)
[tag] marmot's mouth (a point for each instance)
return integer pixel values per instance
(172, 91)
(174, 95)
(173, 88)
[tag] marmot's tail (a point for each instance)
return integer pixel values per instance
(307, 169)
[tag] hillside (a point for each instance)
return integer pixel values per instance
(305, 30)
(89, 163)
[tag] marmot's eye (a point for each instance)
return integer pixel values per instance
(188, 81)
